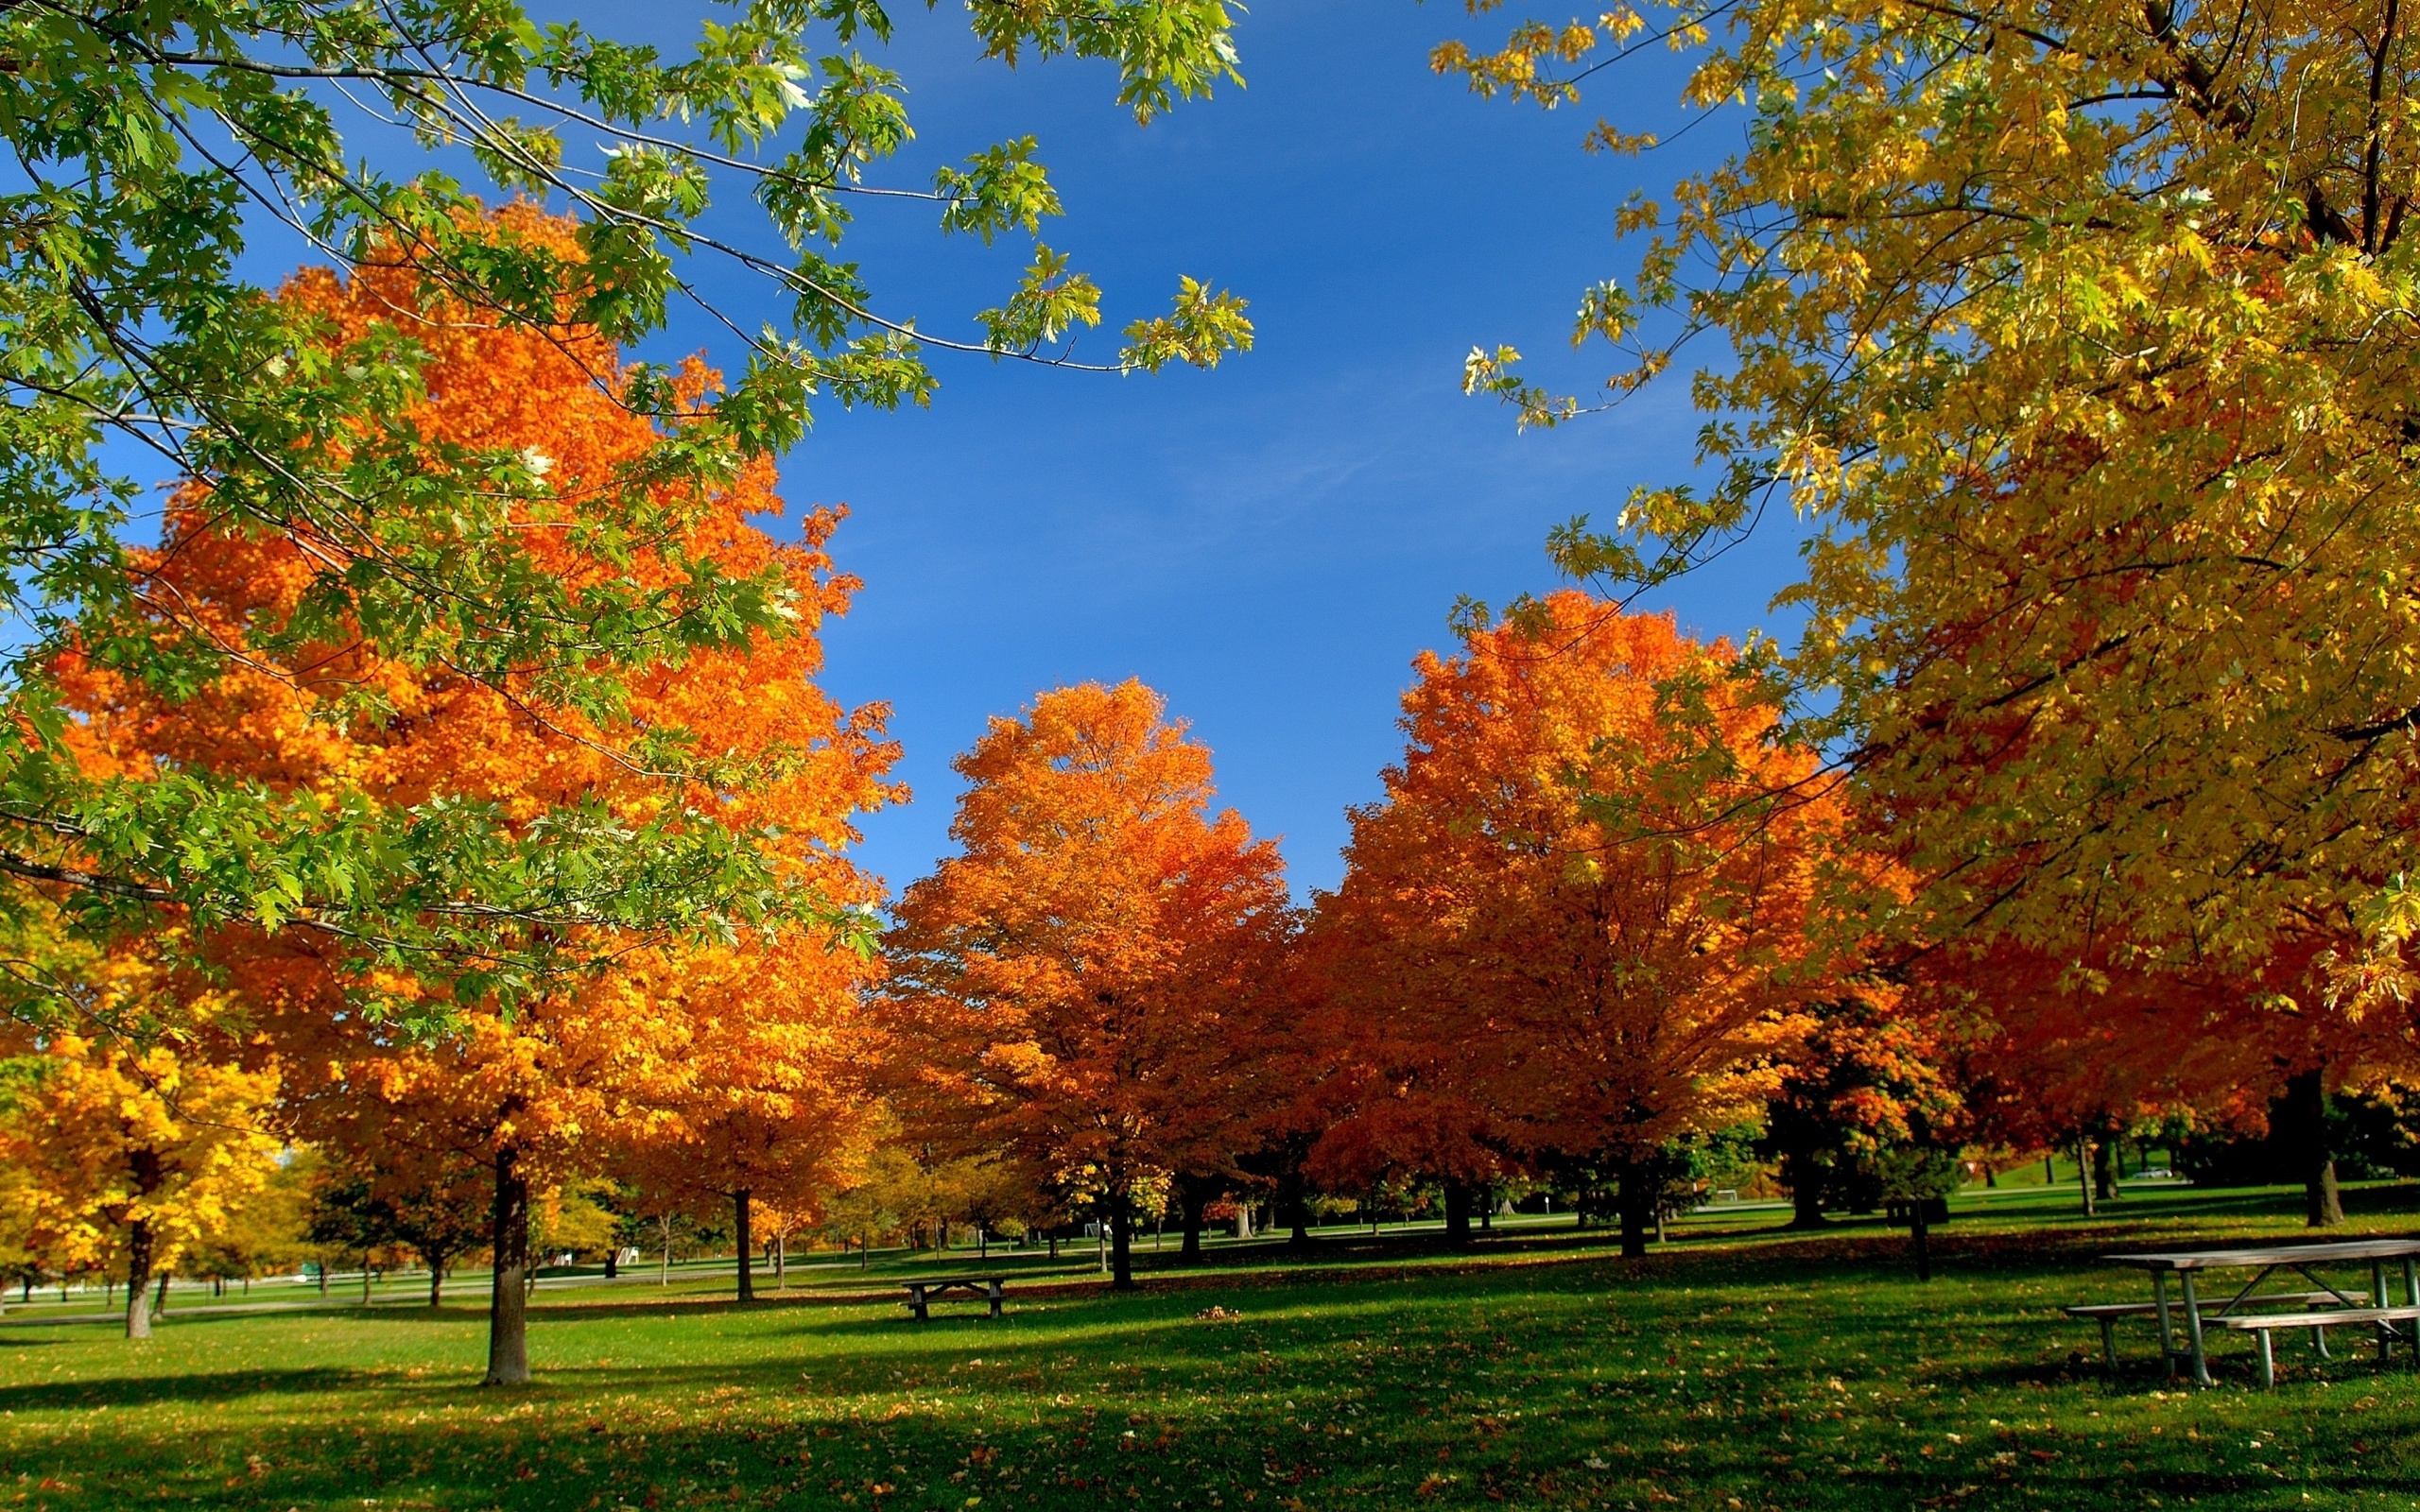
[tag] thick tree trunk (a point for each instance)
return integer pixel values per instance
(747, 1251)
(1458, 1213)
(613, 1260)
(1121, 1243)
(1636, 1198)
(2084, 1171)
(2104, 1173)
(507, 1291)
(436, 1278)
(139, 1242)
(2305, 1127)
(138, 1277)
(1292, 1208)
(1806, 1191)
(1191, 1199)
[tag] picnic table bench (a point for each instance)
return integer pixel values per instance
(2107, 1314)
(919, 1294)
(2263, 1323)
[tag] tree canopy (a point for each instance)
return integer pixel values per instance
(2080, 338)
(150, 147)
(1065, 988)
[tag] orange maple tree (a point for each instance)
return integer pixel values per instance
(735, 736)
(757, 1091)
(1070, 979)
(1576, 927)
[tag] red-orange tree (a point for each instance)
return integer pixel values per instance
(732, 739)
(2069, 1050)
(1575, 927)
(1066, 978)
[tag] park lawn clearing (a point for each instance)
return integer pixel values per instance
(1730, 1370)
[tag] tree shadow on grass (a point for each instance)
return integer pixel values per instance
(137, 1391)
(749, 1434)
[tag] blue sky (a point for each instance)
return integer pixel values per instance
(1268, 545)
(1271, 543)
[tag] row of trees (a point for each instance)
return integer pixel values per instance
(446, 790)
(439, 785)
(1606, 918)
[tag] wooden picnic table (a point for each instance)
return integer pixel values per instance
(920, 1293)
(2266, 1260)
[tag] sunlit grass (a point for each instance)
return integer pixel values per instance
(1736, 1367)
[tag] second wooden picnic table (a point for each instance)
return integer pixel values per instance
(2264, 1262)
(920, 1293)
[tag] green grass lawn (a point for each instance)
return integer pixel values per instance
(1737, 1367)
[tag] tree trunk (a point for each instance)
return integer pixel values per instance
(508, 1294)
(435, 1278)
(365, 1278)
(1121, 1243)
(321, 1267)
(1636, 1199)
(1294, 1210)
(1633, 1233)
(613, 1260)
(2084, 1171)
(1191, 1198)
(139, 1241)
(138, 1276)
(160, 1299)
(865, 1252)
(1806, 1193)
(2305, 1127)
(2104, 1170)
(746, 1253)
(780, 1262)
(1458, 1213)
